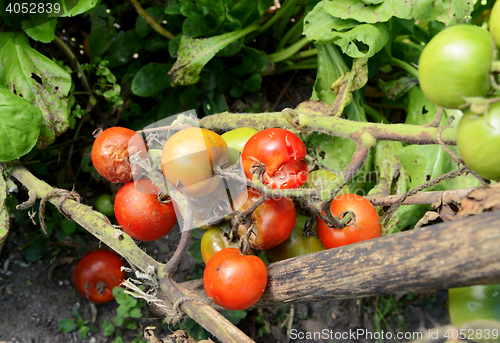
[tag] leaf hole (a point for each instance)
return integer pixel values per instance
(37, 78)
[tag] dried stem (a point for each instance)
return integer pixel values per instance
(151, 21)
(124, 245)
(179, 253)
(421, 198)
(387, 215)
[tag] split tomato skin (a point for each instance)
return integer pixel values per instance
(97, 273)
(282, 153)
(190, 155)
(235, 281)
(367, 222)
(273, 220)
(111, 151)
(140, 213)
(456, 63)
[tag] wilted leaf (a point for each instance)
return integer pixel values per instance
(485, 198)
(38, 80)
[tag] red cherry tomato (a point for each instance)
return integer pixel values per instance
(111, 151)
(97, 273)
(282, 153)
(273, 221)
(141, 214)
(367, 222)
(234, 281)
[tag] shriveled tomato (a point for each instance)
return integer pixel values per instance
(281, 154)
(366, 226)
(141, 214)
(236, 140)
(478, 139)
(234, 281)
(213, 241)
(97, 273)
(273, 221)
(456, 63)
(190, 155)
(494, 22)
(297, 244)
(111, 151)
(471, 303)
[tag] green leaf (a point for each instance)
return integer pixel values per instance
(109, 328)
(387, 166)
(20, 124)
(118, 340)
(68, 226)
(195, 251)
(448, 12)
(67, 325)
(193, 54)
(135, 313)
(151, 79)
(234, 317)
(130, 324)
(39, 80)
(44, 33)
(125, 45)
(36, 250)
(103, 31)
(81, 7)
(396, 88)
(253, 83)
(356, 40)
(83, 332)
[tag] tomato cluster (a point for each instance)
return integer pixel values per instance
(234, 277)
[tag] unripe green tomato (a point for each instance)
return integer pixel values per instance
(471, 303)
(213, 240)
(456, 63)
(297, 244)
(494, 22)
(104, 204)
(321, 179)
(236, 139)
(478, 140)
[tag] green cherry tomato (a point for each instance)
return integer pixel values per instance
(213, 240)
(297, 244)
(321, 179)
(456, 63)
(236, 140)
(104, 204)
(467, 304)
(494, 22)
(478, 139)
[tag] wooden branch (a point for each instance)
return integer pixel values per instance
(451, 254)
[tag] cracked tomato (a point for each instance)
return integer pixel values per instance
(140, 212)
(272, 222)
(234, 281)
(111, 151)
(97, 273)
(278, 156)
